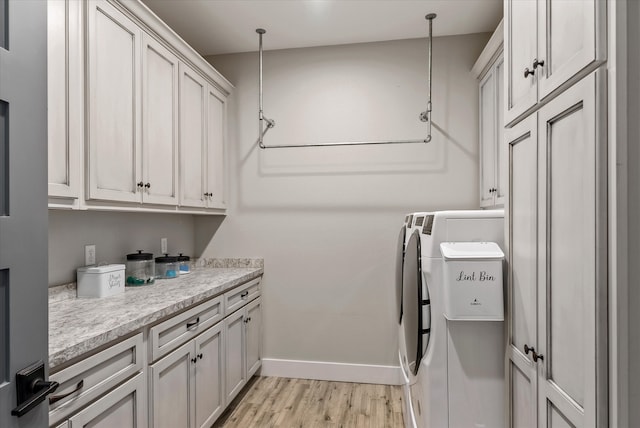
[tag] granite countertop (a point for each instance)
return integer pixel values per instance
(77, 326)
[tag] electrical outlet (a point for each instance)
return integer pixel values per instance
(89, 255)
(163, 245)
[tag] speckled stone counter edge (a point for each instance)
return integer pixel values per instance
(66, 345)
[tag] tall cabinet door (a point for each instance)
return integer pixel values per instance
(216, 113)
(572, 276)
(159, 123)
(65, 102)
(193, 107)
(522, 271)
(114, 104)
(209, 381)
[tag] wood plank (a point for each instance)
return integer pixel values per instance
(281, 402)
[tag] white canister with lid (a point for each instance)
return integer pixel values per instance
(100, 281)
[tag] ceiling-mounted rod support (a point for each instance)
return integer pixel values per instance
(425, 116)
(262, 119)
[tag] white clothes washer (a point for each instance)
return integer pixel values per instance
(453, 371)
(412, 222)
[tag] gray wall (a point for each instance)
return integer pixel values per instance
(326, 220)
(114, 234)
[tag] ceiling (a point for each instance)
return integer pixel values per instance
(227, 26)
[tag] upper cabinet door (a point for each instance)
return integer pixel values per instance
(488, 133)
(547, 44)
(216, 113)
(65, 103)
(114, 105)
(159, 123)
(193, 107)
(519, 51)
(502, 150)
(571, 36)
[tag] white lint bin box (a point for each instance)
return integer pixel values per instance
(472, 274)
(100, 281)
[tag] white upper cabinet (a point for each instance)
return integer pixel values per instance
(114, 94)
(489, 68)
(493, 153)
(159, 123)
(65, 104)
(152, 112)
(549, 44)
(202, 135)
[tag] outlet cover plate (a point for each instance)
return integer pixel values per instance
(89, 255)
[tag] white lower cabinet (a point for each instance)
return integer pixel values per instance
(198, 361)
(90, 379)
(186, 385)
(209, 379)
(243, 339)
(236, 364)
(123, 408)
(254, 337)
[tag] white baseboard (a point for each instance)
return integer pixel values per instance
(339, 372)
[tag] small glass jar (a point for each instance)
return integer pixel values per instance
(140, 269)
(167, 267)
(185, 264)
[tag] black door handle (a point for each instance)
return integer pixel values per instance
(31, 388)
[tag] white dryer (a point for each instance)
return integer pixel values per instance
(454, 372)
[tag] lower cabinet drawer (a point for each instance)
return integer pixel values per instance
(90, 378)
(124, 407)
(170, 334)
(240, 296)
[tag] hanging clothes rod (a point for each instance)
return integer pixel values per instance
(425, 116)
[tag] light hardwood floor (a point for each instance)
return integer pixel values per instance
(282, 402)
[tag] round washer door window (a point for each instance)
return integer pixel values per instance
(416, 306)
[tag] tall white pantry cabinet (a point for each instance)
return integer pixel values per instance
(556, 116)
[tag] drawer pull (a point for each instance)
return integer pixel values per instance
(244, 295)
(57, 398)
(192, 324)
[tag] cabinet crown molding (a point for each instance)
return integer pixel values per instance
(490, 52)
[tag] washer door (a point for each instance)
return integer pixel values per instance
(416, 306)
(399, 268)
